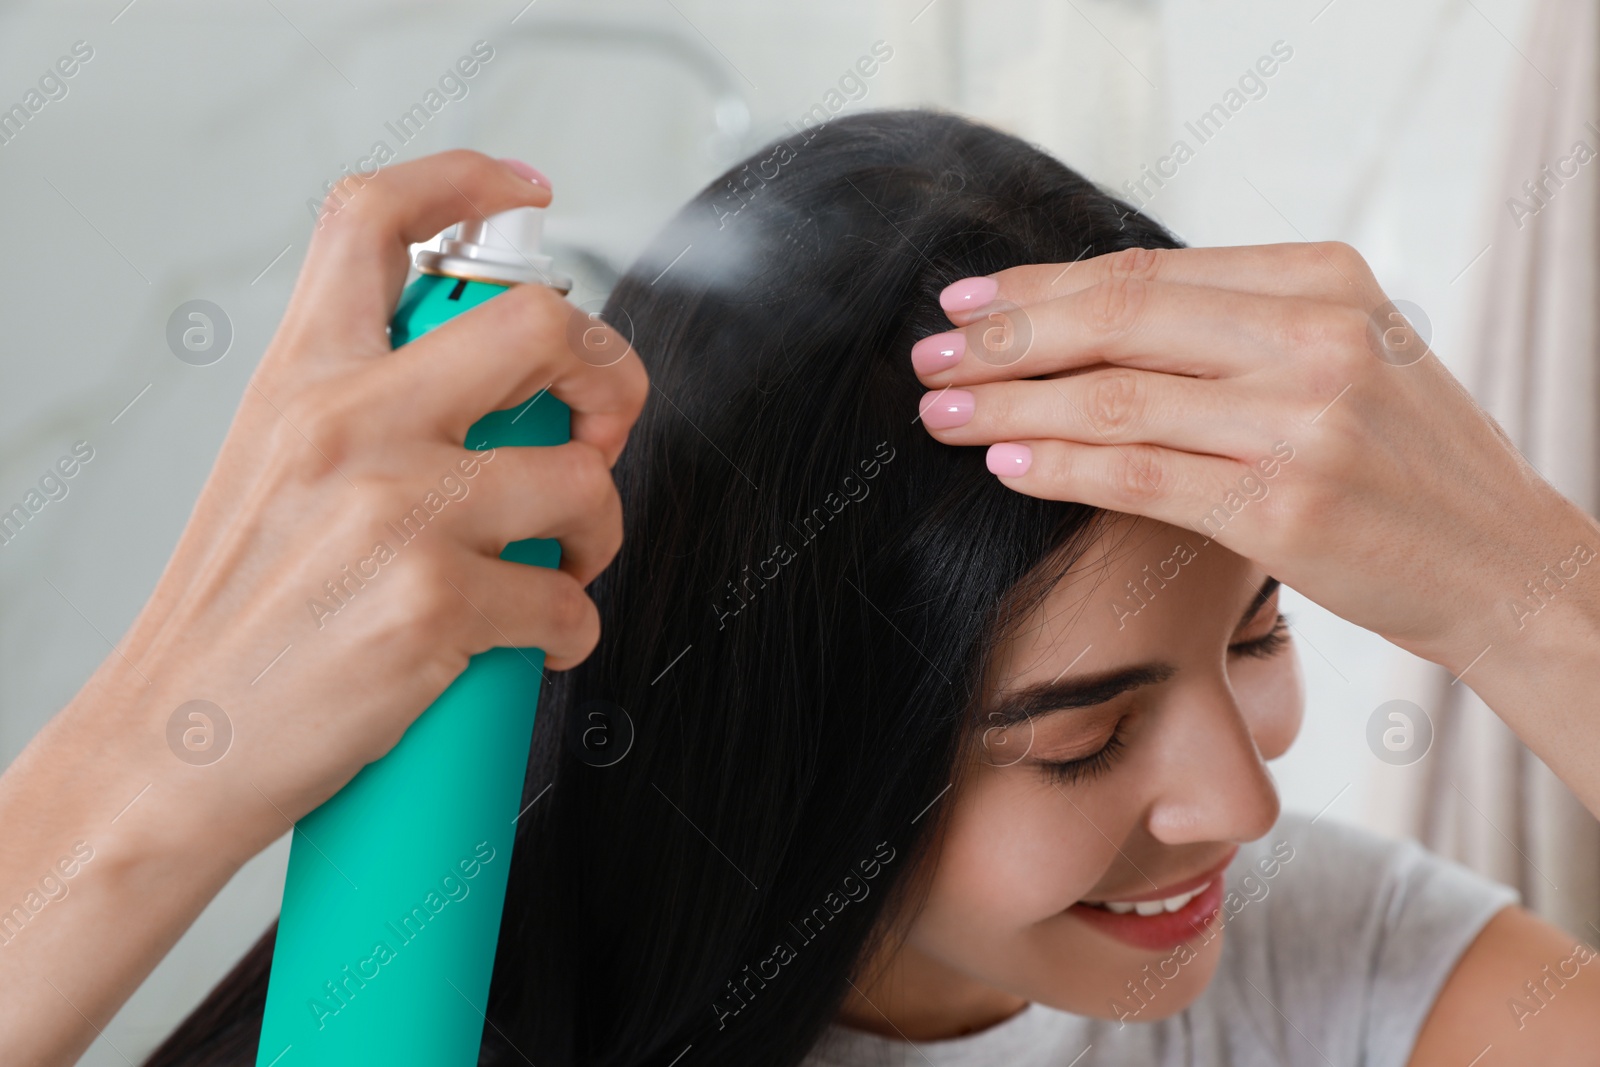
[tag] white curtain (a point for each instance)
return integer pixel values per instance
(1486, 800)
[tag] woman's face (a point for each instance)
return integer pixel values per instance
(1122, 762)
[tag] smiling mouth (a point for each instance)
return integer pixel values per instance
(1150, 907)
(1164, 917)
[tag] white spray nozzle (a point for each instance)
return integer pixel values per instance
(503, 247)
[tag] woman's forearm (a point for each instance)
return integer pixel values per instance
(320, 460)
(106, 858)
(1534, 655)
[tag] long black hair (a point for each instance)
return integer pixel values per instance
(740, 792)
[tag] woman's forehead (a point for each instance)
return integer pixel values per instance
(1138, 586)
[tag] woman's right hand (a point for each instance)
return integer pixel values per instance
(336, 436)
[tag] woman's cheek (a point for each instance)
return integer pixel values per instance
(1272, 698)
(1019, 848)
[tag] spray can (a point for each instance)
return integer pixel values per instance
(392, 901)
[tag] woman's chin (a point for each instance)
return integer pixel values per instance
(1133, 985)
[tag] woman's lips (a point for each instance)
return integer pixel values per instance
(1166, 929)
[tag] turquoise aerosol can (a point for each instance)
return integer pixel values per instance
(392, 902)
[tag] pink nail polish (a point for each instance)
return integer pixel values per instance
(968, 293)
(1009, 460)
(938, 351)
(947, 408)
(523, 170)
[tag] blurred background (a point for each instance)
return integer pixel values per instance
(184, 157)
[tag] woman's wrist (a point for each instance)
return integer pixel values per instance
(141, 845)
(128, 774)
(1546, 580)
(1533, 654)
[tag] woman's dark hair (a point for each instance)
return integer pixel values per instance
(796, 630)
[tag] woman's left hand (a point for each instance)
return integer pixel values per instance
(1271, 399)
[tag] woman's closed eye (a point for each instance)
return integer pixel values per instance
(1084, 768)
(1268, 644)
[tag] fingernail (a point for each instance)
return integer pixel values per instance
(524, 170)
(968, 293)
(947, 408)
(938, 351)
(1009, 460)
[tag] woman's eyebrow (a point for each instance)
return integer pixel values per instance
(1020, 705)
(1084, 691)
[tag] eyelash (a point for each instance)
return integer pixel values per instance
(1269, 643)
(1073, 771)
(1086, 767)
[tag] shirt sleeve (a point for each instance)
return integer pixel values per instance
(1434, 908)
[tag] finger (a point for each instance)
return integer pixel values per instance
(505, 351)
(563, 492)
(1179, 488)
(1111, 406)
(1327, 270)
(360, 254)
(1160, 326)
(512, 605)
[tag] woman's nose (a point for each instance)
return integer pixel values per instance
(1211, 783)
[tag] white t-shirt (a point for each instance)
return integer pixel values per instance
(1334, 958)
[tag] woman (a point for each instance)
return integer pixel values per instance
(922, 735)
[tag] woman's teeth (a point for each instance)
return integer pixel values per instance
(1151, 907)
